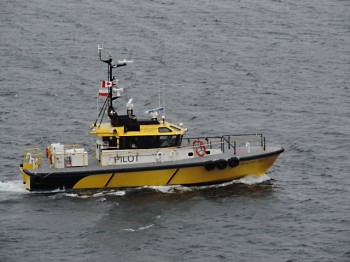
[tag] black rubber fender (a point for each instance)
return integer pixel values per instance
(221, 164)
(209, 165)
(233, 162)
(38, 179)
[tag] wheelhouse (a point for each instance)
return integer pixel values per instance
(162, 135)
(141, 142)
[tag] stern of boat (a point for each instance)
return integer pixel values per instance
(32, 160)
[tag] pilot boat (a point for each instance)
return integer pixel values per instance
(134, 152)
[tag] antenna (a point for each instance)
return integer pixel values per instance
(164, 101)
(160, 92)
(99, 48)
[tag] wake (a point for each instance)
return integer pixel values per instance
(16, 187)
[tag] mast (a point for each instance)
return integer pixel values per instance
(109, 100)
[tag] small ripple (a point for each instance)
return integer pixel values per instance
(138, 229)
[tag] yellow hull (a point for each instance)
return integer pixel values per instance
(26, 179)
(176, 176)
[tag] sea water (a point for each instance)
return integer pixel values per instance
(277, 67)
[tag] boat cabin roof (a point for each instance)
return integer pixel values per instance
(142, 129)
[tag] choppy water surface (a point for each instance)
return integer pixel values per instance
(277, 67)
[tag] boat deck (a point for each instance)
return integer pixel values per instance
(94, 164)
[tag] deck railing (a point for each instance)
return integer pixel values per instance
(32, 158)
(232, 141)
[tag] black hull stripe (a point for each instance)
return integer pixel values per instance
(172, 176)
(109, 180)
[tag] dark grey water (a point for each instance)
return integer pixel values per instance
(277, 67)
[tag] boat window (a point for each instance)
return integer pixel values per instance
(168, 141)
(146, 142)
(180, 141)
(164, 130)
(176, 128)
(110, 141)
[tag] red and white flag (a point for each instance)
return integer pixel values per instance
(103, 91)
(106, 83)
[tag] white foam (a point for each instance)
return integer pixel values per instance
(118, 193)
(61, 194)
(145, 227)
(49, 192)
(170, 189)
(15, 186)
(99, 195)
(128, 230)
(247, 180)
(138, 229)
(253, 179)
(76, 195)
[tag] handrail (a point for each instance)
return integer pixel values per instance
(32, 158)
(71, 146)
(232, 140)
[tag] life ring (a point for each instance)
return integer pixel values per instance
(47, 152)
(200, 147)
